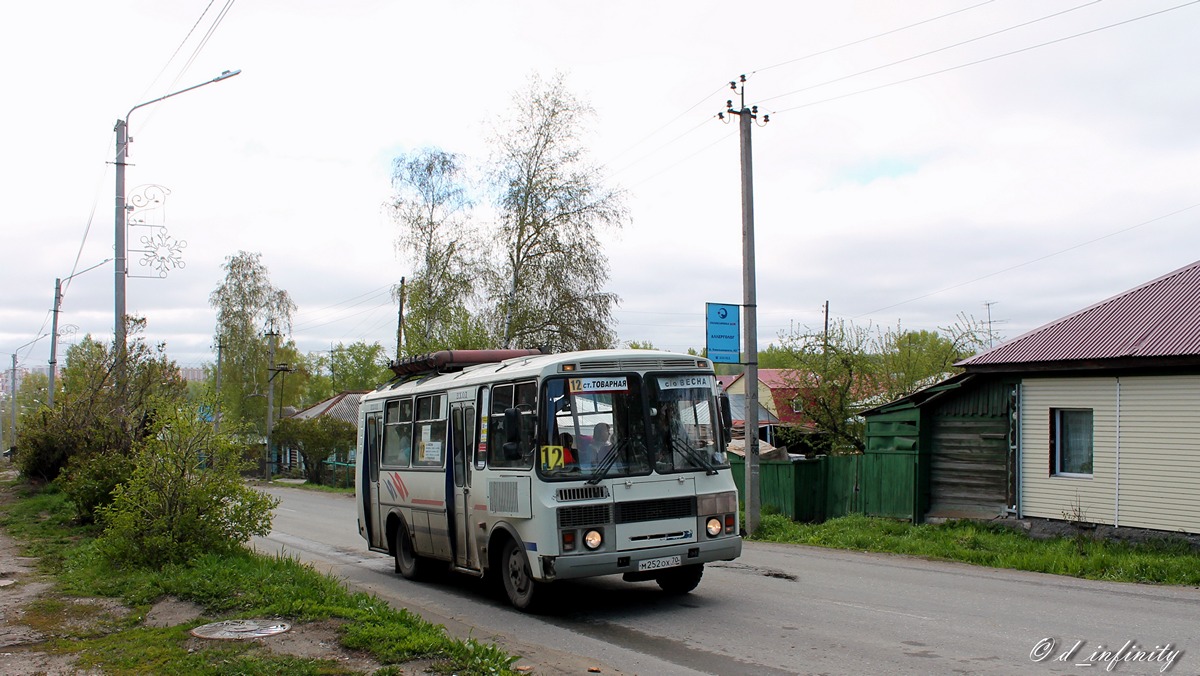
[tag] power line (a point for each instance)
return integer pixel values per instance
(91, 215)
(932, 51)
(1032, 261)
(203, 41)
(868, 39)
(709, 96)
(177, 49)
(990, 58)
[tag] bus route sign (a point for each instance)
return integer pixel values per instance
(723, 329)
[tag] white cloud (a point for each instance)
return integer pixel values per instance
(943, 192)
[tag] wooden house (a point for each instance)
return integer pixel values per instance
(1094, 417)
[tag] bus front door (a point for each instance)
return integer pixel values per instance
(462, 423)
(369, 488)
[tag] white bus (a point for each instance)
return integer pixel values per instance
(533, 468)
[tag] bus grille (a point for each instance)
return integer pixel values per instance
(655, 510)
(502, 496)
(584, 515)
(582, 493)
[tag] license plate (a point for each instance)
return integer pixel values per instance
(664, 562)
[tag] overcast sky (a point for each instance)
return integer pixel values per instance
(922, 158)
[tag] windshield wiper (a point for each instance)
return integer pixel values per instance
(607, 462)
(696, 457)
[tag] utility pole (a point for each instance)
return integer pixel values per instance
(12, 391)
(749, 302)
(400, 324)
(54, 340)
(825, 343)
(217, 394)
(280, 370)
(271, 335)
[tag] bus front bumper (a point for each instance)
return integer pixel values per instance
(639, 561)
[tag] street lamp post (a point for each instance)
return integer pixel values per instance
(13, 390)
(122, 130)
(54, 327)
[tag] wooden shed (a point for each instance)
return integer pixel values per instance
(958, 434)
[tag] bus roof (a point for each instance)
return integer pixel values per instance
(548, 364)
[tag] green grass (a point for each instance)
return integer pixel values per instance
(242, 585)
(1167, 561)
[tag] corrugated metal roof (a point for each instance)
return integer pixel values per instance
(1158, 319)
(343, 406)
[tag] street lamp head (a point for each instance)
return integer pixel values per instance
(226, 74)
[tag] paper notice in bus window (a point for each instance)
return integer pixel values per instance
(596, 385)
(431, 451)
(684, 382)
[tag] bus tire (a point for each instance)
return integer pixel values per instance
(679, 581)
(408, 564)
(517, 577)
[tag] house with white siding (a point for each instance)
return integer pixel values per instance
(1105, 409)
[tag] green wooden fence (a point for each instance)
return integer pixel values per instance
(826, 487)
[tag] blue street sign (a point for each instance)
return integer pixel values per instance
(723, 329)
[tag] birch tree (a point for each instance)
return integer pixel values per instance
(248, 307)
(432, 207)
(547, 286)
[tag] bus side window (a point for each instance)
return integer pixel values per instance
(458, 443)
(523, 398)
(527, 405)
(502, 400)
(431, 431)
(371, 445)
(397, 433)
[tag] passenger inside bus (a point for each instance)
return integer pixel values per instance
(570, 453)
(598, 447)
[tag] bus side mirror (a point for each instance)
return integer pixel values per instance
(512, 434)
(726, 415)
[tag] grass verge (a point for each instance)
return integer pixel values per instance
(243, 585)
(1165, 561)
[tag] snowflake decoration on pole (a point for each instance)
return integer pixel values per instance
(163, 252)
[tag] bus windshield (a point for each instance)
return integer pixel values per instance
(682, 429)
(593, 427)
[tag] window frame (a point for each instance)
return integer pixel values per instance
(429, 426)
(521, 394)
(389, 425)
(1059, 444)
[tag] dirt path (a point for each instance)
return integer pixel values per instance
(22, 645)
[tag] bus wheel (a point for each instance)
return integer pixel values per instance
(408, 563)
(517, 577)
(682, 580)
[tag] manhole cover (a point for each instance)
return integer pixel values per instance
(240, 629)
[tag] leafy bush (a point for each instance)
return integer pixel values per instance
(94, 412)
(90, 479)
(317, 439)
(185, 497)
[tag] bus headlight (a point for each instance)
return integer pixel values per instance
(593, 539)
(714, 527)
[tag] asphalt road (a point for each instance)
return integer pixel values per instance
(782, 609)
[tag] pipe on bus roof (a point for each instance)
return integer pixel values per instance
(448, 360)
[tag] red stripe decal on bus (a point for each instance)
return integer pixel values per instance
(435, 503)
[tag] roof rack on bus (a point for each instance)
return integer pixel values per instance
(454, 360)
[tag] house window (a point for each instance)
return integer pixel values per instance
(797, 404)
(1071, 442)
